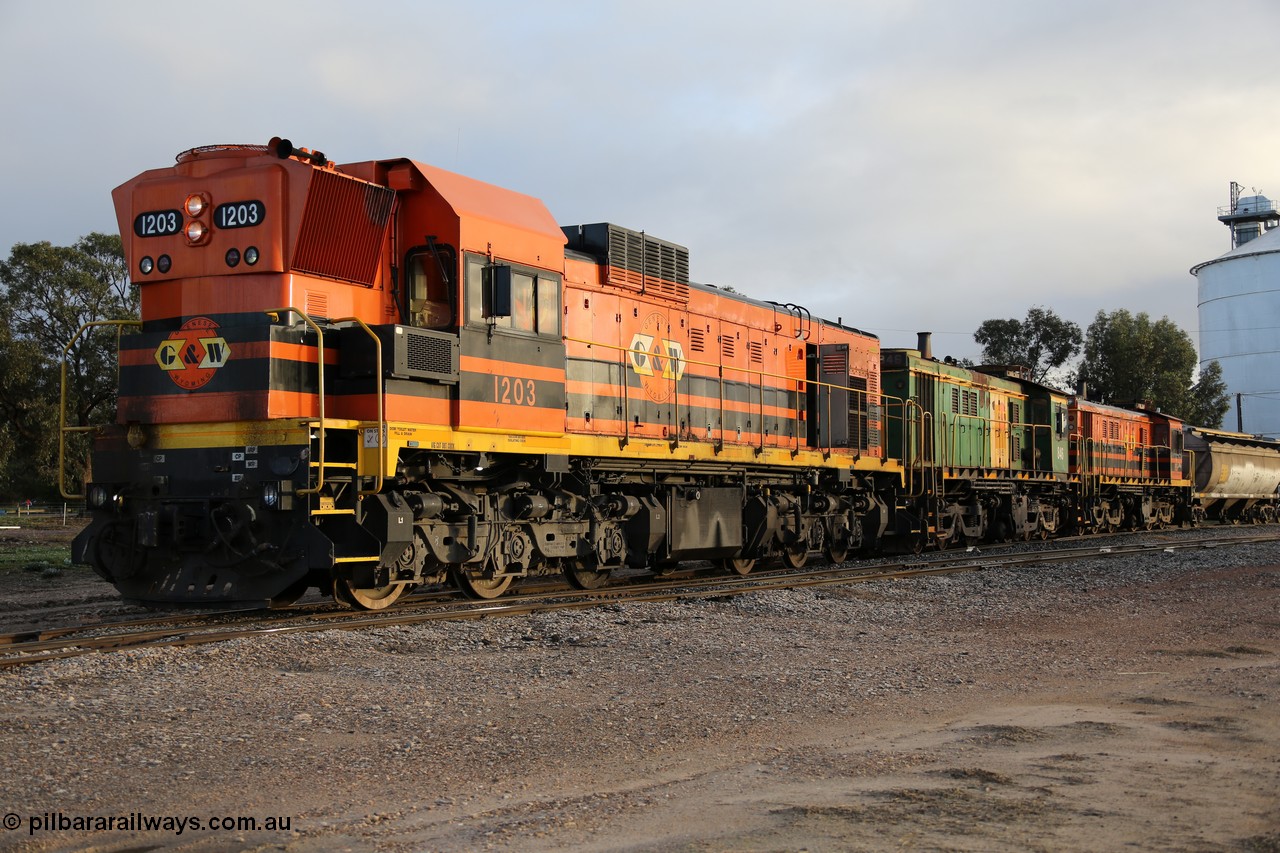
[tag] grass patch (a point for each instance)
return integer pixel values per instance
(17, 557)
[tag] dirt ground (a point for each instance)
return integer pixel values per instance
(1124, 704)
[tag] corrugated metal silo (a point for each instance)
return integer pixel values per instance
(1240, 312)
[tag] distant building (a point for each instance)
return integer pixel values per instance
(1240, 312)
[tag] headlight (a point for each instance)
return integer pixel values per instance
(270, 493)
(196, 204)
(196, 232)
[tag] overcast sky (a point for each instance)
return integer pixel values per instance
(903, 165)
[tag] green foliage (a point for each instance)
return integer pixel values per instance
(1208, 400)
(1128, 359)
(1042, 342)
(48, 292)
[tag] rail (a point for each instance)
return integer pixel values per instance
(63, 429)
(26, 647)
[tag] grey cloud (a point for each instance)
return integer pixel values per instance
(903, 165)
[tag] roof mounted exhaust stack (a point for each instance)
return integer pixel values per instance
(925, 344)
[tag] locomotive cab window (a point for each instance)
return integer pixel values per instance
(510, 296)
(431, 296)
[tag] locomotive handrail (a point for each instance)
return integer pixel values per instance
(760, 385)
(900, 412)
(720, 384)
(275, 315)
(623, 355)
(381, 396)
(922, 432)
(63, 429)
(755, 377)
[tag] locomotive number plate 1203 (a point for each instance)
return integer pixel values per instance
(239, 214)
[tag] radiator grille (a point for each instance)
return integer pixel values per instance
(344, 226)
(636, 261)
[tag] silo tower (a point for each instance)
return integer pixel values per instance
(1240, 312)
(1249, 216)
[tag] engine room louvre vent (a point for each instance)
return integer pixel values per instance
(697, 340)
(635, 261)
(344, 226)
(430, 355)
(756, 351)
(317, 304)
(835, 362)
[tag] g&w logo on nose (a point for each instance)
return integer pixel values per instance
(193, 353)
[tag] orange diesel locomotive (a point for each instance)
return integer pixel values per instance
(371, 376)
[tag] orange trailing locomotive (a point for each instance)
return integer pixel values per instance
(378, 375)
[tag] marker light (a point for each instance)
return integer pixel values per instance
(233, 257)
(251, 255)
(197, 203)
(163, 263)
(146, 265)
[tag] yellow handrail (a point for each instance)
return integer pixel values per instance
(382, 421)
(274, 314)
(63, 429)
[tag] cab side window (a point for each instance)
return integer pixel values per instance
(535, 298)
(431, 298)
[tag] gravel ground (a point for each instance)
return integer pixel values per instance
(1095, 705)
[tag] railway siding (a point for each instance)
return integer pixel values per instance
(1062, 707)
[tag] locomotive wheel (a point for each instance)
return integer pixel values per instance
(738, 565)
(373, 598)
(836, 554)
(475, 585)
(795, 556)
(114, 554)
(582, 574)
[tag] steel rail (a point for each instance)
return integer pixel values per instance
(557, 600)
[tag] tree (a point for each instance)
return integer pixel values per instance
(1042, 342)
(48, 292)
(1130, 359)
(1208, 399)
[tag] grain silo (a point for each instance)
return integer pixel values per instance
(1240, 313)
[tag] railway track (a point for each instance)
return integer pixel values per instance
(29, 647)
